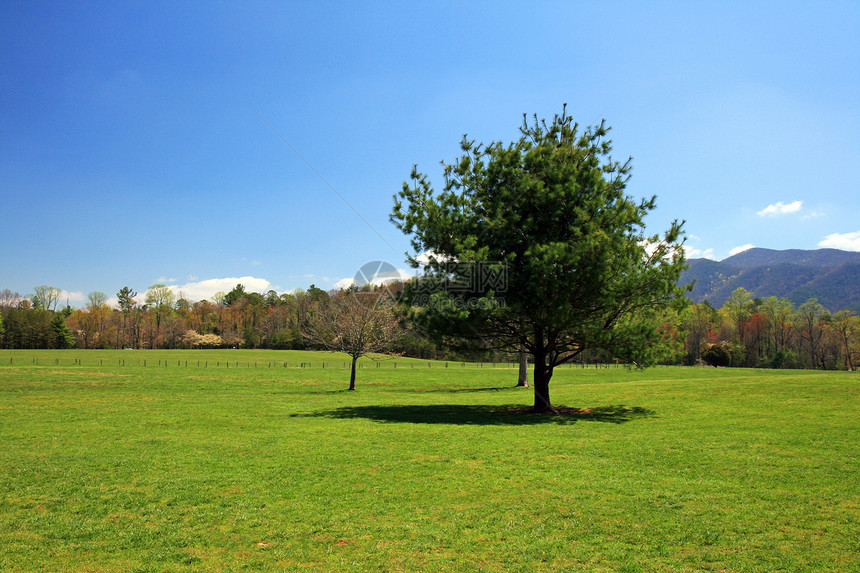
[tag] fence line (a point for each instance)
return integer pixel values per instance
(164, 363)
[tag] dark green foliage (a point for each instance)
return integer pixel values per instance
(556, 254)
(778, 359)
(286, 340)
(272, 298)
(31, 327)
(63, 336)
(125, 299)
(317, 293)
(717, 355)
(234, 295)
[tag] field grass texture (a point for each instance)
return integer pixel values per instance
(249, 461)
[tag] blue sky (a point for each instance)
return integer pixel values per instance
(201, 144)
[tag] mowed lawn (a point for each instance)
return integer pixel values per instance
(110, 465)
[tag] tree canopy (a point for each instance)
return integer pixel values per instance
(534, 244)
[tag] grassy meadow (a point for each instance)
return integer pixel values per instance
(230, 461)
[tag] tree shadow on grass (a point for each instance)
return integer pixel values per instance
(470, 390)
(460, 414)
(342, 390)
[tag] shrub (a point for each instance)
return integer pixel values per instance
(717, 355)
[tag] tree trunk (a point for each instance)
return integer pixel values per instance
(523, 380)
(352, 373)
(541, 383)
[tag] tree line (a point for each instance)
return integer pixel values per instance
(766, 332)
(237, 319)
(745, 332)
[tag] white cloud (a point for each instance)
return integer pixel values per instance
(741, 249)
(71, 297)
(377, 279)
(204, 289)
(694, 253)
(407, 274)
(651, 248)
(780, 208)
(844, 241)
(813, 215)
(424, 258)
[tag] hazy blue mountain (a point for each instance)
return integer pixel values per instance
(830, 275)
(818, 258)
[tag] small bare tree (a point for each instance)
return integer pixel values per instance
(8, 298)
(354, 321)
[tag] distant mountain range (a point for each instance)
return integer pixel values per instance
(830, 275)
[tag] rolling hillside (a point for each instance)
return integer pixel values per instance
(832, 276)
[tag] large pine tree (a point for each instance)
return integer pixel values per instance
(534, 244)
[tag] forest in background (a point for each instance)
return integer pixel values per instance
(746, 331)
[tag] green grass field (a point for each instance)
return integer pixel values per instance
(109, 465)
